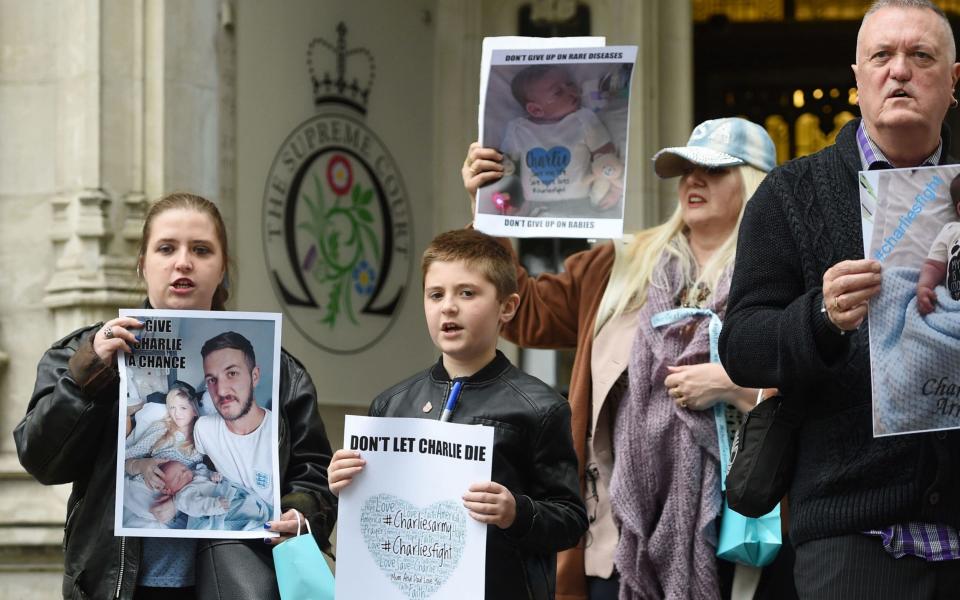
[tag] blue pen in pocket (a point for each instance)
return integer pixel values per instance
(451, 403)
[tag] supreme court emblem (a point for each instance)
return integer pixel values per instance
(337, 231)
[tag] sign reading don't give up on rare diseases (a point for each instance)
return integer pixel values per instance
(402, 530)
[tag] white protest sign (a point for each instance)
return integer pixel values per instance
(403, 532)
(914, 350)
(560, 117)
(177, 414)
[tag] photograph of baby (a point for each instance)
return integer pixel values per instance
(197, 445)
(560, 118)
(915, 319)
(942, 265)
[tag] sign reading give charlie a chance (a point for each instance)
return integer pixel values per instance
(337, 227)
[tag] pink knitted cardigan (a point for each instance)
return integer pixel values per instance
(665, 488)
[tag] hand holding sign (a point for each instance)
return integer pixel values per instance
(115, 336)
(491, 503)
(480, 167)
(344, 465)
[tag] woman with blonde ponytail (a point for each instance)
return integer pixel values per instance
(596, 305)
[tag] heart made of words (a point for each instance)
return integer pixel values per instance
(416, 548)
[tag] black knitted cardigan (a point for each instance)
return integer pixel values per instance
(804, 218)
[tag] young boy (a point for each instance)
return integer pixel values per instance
(563, 153)
(533, 504)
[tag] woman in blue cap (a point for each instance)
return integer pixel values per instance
(594, 306)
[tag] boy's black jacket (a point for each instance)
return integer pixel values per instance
(533, 457)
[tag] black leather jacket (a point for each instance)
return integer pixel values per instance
(69, 435)
(533, 457)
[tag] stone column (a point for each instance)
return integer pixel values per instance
(104, 104)
(456, 90)
(675, 76)
(98, 157)
(661, 110)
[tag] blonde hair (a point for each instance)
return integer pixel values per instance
(171, 428)
(632, 277)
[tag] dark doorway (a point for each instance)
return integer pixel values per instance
(791, 76)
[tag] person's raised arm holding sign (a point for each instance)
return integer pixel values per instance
(592, 306)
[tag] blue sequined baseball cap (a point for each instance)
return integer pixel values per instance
(728, 142)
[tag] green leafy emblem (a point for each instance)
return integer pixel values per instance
(344, 245)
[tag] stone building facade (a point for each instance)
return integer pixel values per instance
(107, 104)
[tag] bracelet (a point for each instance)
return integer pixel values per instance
(830, 324)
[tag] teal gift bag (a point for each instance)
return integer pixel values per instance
(749, 541)
(746, 540)
(302, 572)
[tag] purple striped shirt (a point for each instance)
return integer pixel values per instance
(871, 157)
(929, 541)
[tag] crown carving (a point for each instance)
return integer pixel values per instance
(339, 75)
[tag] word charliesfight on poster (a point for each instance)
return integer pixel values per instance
(911, 220)
(197, 452)
(403, 532)
(560, 117)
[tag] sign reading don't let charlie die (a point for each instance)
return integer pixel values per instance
(337, 229)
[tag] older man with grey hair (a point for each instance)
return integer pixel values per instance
(870, 517)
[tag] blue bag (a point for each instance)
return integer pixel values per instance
(302, 571)
(749, 541)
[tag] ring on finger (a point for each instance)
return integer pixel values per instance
(683, 402)
(108, 332)
(836, 303)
